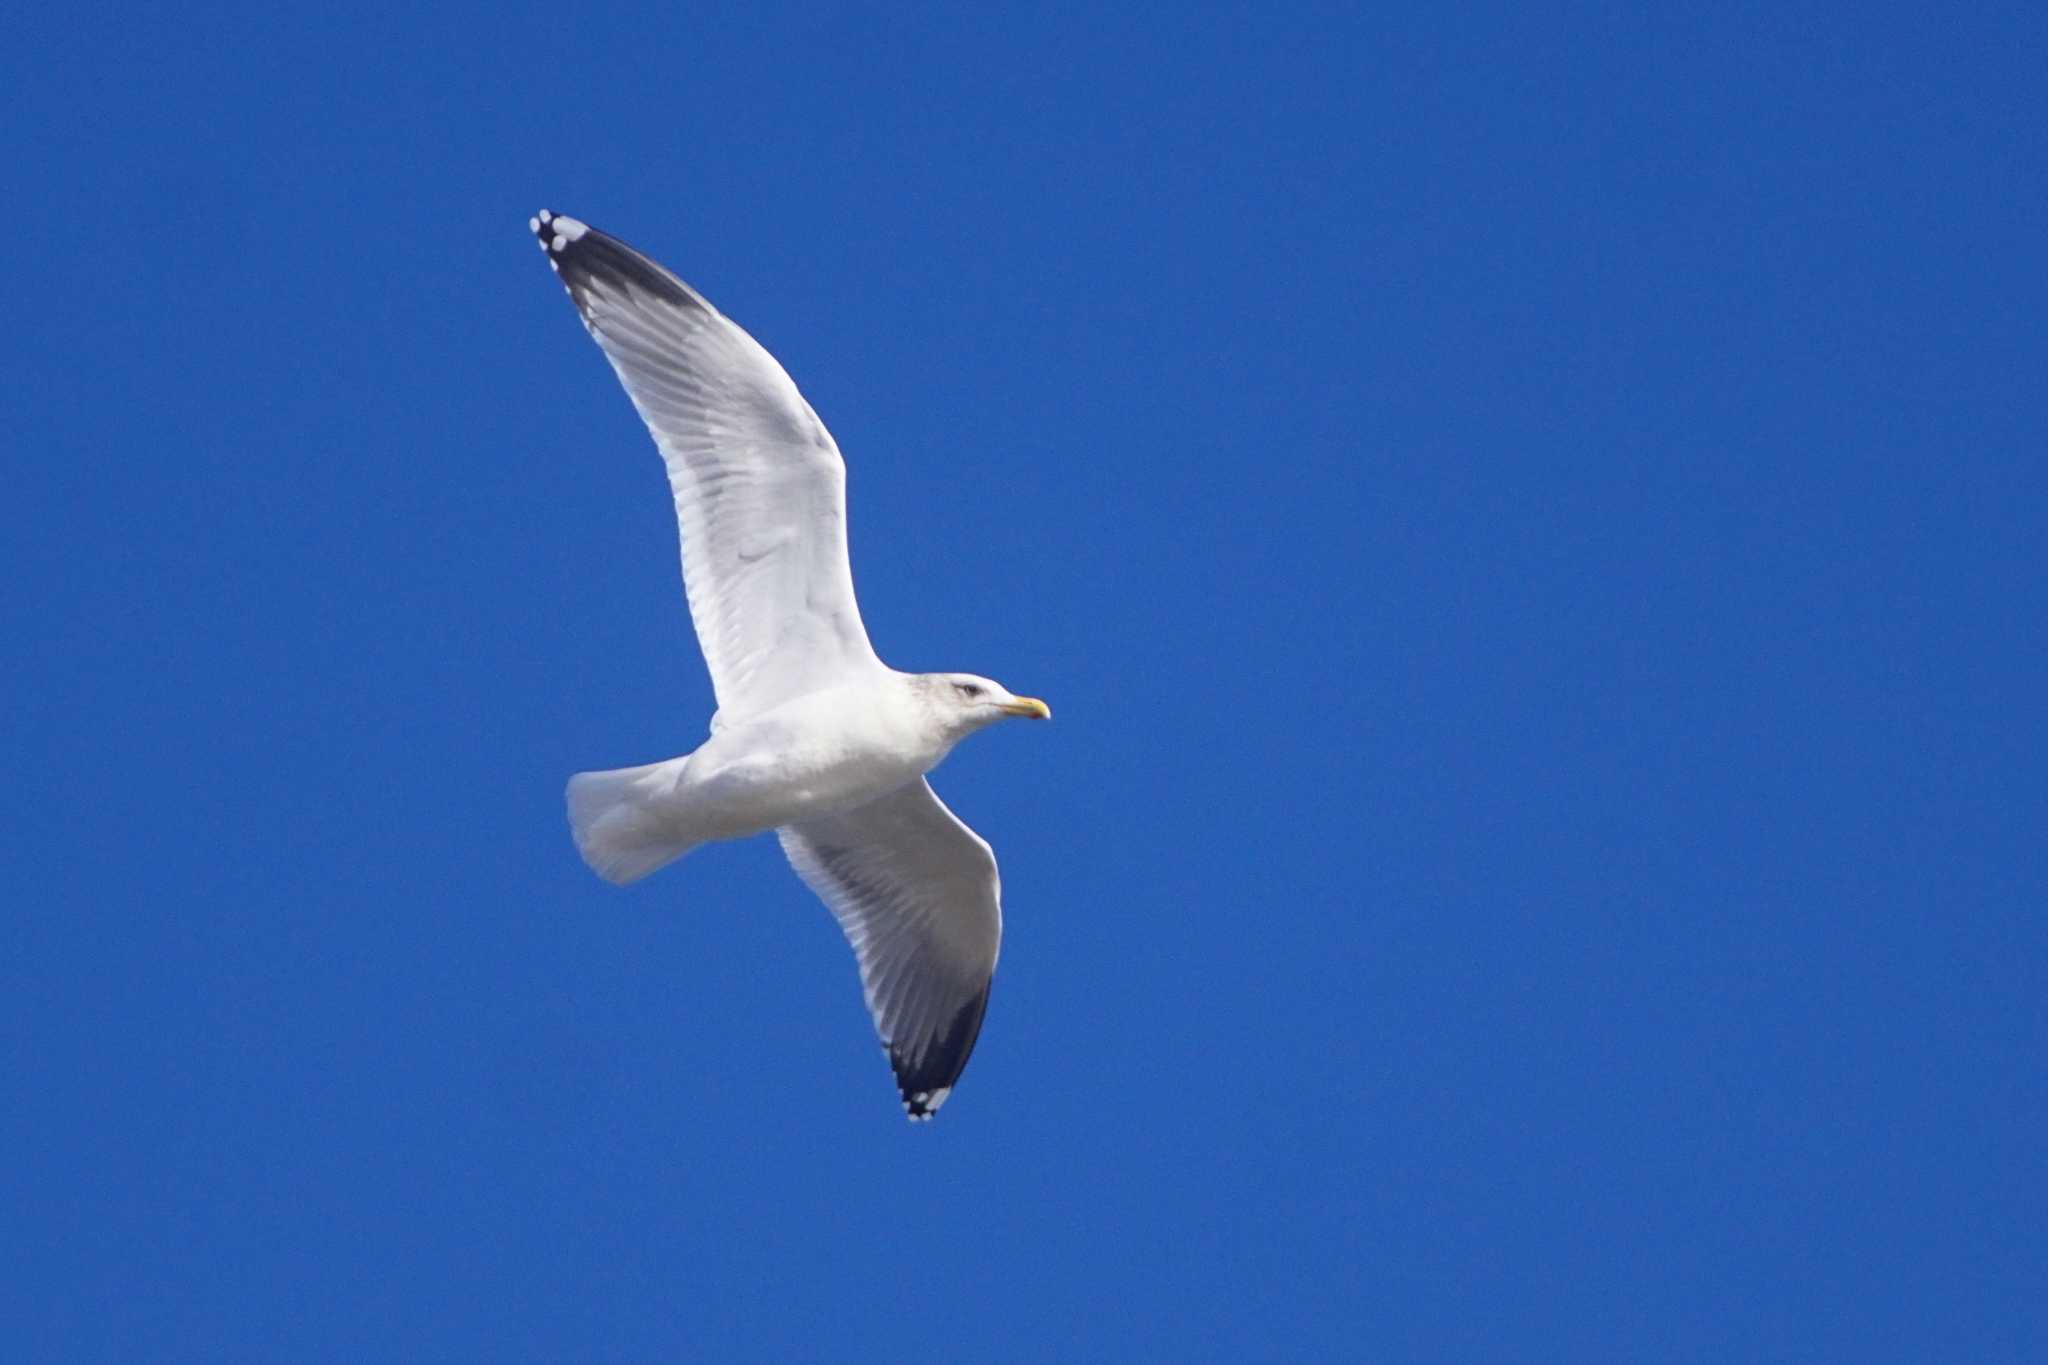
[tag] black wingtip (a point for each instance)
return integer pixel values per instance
(554, 240)
(581, 254)
(926, 1084)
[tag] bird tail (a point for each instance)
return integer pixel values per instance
(625, 820)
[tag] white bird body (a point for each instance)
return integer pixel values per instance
(814, 738)
(814, 755)
(818, 754)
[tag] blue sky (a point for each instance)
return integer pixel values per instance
(1529, 521)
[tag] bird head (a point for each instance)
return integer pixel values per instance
(969, 701)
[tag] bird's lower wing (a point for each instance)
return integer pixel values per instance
(917, 895)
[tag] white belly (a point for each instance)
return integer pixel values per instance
(816, 755)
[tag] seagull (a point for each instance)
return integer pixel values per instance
(814, 737)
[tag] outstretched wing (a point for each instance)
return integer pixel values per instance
(917, 895)
(760, 488)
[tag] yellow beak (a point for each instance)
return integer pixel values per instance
(1028, 706)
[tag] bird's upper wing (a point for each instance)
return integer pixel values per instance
(917, 895)
(760, 488)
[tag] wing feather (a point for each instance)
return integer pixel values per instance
(759, 484)
(917, 895)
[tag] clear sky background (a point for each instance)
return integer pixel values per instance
(1529, 521)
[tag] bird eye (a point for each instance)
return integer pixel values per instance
(968, 689)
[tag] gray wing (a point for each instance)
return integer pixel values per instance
(916, 893)
(759, 485)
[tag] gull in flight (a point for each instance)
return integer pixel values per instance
(814, 737)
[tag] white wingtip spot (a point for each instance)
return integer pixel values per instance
(564, 230)
(924, 1103)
